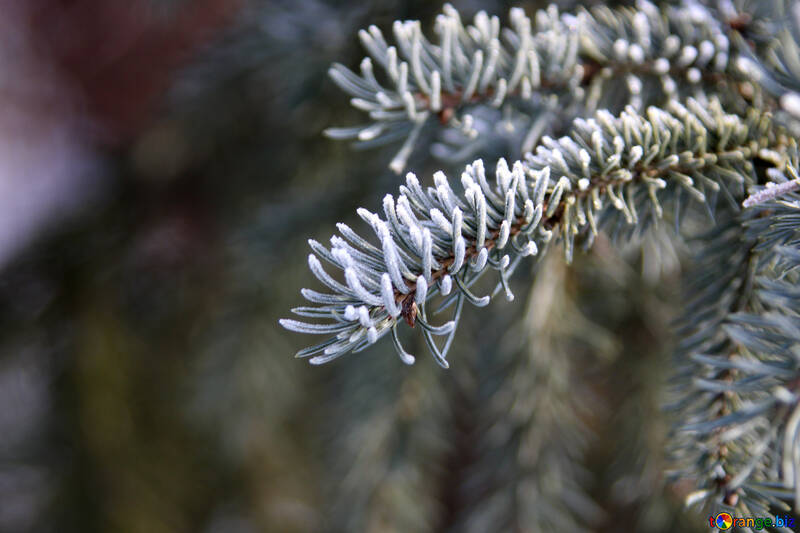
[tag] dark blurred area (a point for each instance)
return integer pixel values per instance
(161, 168)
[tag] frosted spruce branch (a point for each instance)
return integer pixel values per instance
(435, 241)
(779, 186)
(558, 61)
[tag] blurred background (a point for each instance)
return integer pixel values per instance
(161, 167)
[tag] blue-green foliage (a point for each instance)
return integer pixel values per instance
(668, 110)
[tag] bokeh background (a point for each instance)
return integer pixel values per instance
(161, 166)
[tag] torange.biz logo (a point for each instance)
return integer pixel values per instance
(724, 522)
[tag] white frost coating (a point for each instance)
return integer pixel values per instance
(671, 45)
(634, 84)
(723, 43)
(416, 238)
(636, 154)
(446, 284)
(412, 181)
(372, 335)
(391, 259)
(642, 26)
(391, 60)
(528, 211)
(584, 157)
(529, 249)
(502, 239)
(510, 206)
(363, 316)
(480, 200)
(669, 85)
(620, 48)
(472, 84)
(748, 67)
(457, 226)
(440, 179)
(790, 102)
(341, 255)
(771, 192)
(459, 253)
(422, 290)
(480, 260)
(370, 132)
(387, 293)
(440, 220)
(636, 54)
(706, 52)
(502, 173)
(436, 91)
(427, 254)
(353, 282)
(411, 107)
(404, 212)
(446, 196)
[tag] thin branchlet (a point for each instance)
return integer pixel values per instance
(779, 186)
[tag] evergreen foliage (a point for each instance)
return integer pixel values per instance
(621, 118)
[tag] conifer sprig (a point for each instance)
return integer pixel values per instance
(655, 137)
(771, 57)
(435, 241)
(737, 422)
(576, 60)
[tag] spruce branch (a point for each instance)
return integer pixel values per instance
(772, 61)
(435, 241)
(779, 186)
(655, 136)
(720, 284)
(738, 380)
(559, 62)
